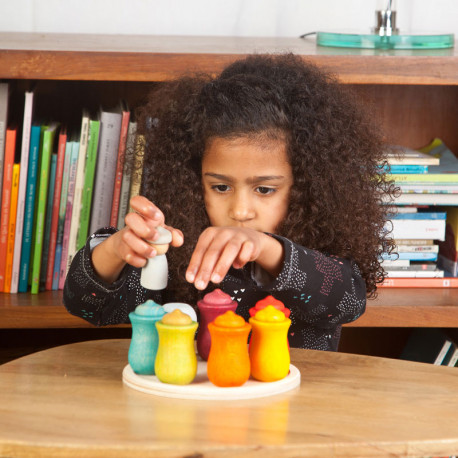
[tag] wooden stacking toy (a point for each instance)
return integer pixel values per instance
(228, 362)
(176, 360)
(269, 352)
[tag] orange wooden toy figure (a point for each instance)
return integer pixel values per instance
(228, 362)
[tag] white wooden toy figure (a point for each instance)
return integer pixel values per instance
(154, 274)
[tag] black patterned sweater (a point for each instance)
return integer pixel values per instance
(322, 292)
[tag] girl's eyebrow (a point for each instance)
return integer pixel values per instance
(251, 180)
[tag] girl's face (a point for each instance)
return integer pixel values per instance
(246, 183)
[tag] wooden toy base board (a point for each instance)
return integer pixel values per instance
(201, 388)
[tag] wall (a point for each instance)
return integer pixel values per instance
(218, 17)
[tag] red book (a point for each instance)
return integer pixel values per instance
(55, 208)
(10, 146)
(119, 167)
(447, 282)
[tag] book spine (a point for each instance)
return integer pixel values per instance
(106, 167)
(79, 185)
(126, 177)
(441, 355)
(10, 145)
(137, 172)
(419, 283)
(48, 220)
(25, 149)
(420, 216)
(119, 168)
(418, 229)
(62, 208)
(45, 162)
(55, 209)
(86, 199)
(12, 228)
(3, 123)
(29, 209)
(68, 214)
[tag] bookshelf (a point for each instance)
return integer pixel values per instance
(415, 94)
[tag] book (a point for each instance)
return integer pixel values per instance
(48, 220)
(78, 192)
(29, 208)
(419, 188)
(68, 213)
(426, 199)
(448, 249)
(411, 256)
(417, 228)
(4, 87)
(430, 248)
(110, 129)
(447, 360)
(137, 169)
(61, 219)
(120, 167)
(453, 361)
(407, 169)
(55, 208)
(402, 155)
(422, 273)
(12, 228)
(86, 198)
(419, 283)
(127, 174)
(427, 345)
(22, 191)
(10, 147)
(43, 182)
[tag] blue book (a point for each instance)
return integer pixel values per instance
(420, 216)
(411, 256)
(29, 208)
(48, 219)
(407, 169)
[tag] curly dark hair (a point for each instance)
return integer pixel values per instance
(335, 150)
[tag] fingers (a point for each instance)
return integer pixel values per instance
(141, 227)
(216, 251)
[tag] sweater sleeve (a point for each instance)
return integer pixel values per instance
(98, 302)
(321, 290)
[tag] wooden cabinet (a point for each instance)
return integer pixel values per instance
(414, 94)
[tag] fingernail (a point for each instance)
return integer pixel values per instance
(200, 284)
(156, 215)
(216, 278)
(190, 277)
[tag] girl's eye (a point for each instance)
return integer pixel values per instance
(221, 187)
(265, 190)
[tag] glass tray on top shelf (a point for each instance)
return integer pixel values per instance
(395, 41)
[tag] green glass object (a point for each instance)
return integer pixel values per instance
(375, 41)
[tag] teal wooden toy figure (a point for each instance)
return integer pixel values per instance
(144, 343)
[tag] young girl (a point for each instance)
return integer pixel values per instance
(268, 177)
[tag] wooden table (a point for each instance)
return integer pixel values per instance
(70, 401)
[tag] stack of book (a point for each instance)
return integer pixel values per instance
(433, 346)
(425, 227)
(57, 187)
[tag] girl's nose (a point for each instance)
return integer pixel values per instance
(241, 209)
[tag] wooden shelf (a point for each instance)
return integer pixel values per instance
(160, 58)
(396, 307)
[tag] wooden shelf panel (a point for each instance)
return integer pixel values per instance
(397, 307)
(159, 58)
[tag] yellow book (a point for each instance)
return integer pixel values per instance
(12, 227)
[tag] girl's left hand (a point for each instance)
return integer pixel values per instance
(219, 248)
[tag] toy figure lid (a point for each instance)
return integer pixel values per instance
(229, 319)
(165, 236)
(177, 318)
(270, 314)
(269, 300)
(150, 309)
(217, 297)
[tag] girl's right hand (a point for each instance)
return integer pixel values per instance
(141, 224)
(129, 244)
